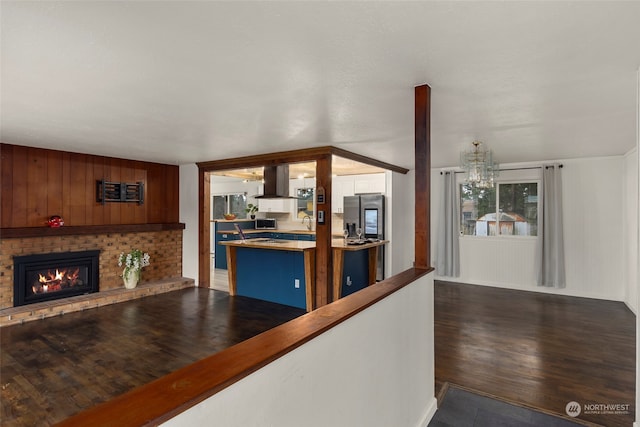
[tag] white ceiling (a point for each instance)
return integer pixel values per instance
(180, 82)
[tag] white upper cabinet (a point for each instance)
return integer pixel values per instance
(372, 183)
(342, 186)
(274, 205)
(349, 185)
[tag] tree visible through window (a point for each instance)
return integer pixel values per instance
(509, 209)
(229, 203)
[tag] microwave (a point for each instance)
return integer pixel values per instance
(266, 224)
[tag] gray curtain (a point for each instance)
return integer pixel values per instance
(448, 253)
(550, 255)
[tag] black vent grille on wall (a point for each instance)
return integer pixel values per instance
(119, 192)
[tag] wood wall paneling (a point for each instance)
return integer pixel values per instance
(19, 200)
(114, 174)
(98, 216)
(140, 175)
(66, 184)
(6, 185)
(54, 184)
(37, 183)
(77, 187)
(36, 186)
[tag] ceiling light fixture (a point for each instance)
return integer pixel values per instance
(480, 168)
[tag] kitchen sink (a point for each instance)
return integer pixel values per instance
(268, 240)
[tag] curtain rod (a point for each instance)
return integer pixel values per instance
(515, 169)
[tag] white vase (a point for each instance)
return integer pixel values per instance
(130, 280)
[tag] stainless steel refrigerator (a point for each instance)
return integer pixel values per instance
(366, 211)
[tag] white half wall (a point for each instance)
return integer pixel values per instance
(637, 423)
(374, 369)
(189, 216)
(593, 224)
(630, 231)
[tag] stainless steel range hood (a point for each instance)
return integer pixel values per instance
(276, 183)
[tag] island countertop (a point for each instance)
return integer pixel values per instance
(276, 244)
(298, 245)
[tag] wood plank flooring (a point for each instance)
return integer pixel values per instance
(536, 349)
(53, 368)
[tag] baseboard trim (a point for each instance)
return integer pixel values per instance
(540, 289)
(432, 407)
(633, 310)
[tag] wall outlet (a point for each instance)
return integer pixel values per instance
(296, 283)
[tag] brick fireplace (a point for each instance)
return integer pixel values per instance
(164, 247)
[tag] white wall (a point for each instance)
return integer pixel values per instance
(593, 224)
(375, 369)
(630, 229)
(401, 199)
(637, 423)
(189, 216)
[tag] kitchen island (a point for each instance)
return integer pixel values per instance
(283, 271)
(355, 265)
(276, 270)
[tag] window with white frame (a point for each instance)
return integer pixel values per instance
(234, 203)
(508, 209)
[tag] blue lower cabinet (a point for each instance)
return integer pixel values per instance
(355, 275)
(221, 250)
(220, 260)
(271, 275)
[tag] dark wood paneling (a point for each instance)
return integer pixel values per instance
(127, 210)
(37, 183)
(20, 188)
(6, 185)
(77, 190)
(114, 171)
(54, 185)
(66, 186)
(37, 186)
(140, 175)
(99, 213)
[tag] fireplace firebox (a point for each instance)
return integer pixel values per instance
(46, 277)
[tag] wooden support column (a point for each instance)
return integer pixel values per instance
(204, 237)
(423, 176)
(324, 288)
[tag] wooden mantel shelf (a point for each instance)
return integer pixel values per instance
(15, 233)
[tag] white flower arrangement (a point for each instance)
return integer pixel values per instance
(133, 262)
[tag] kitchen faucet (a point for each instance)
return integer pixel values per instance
(309, 218)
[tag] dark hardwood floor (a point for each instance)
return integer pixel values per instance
(537, 349)
(56, 367)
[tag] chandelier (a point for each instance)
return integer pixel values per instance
(479, 166)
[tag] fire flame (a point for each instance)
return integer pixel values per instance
(56, 281)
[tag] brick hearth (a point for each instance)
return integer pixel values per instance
(42, 310)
